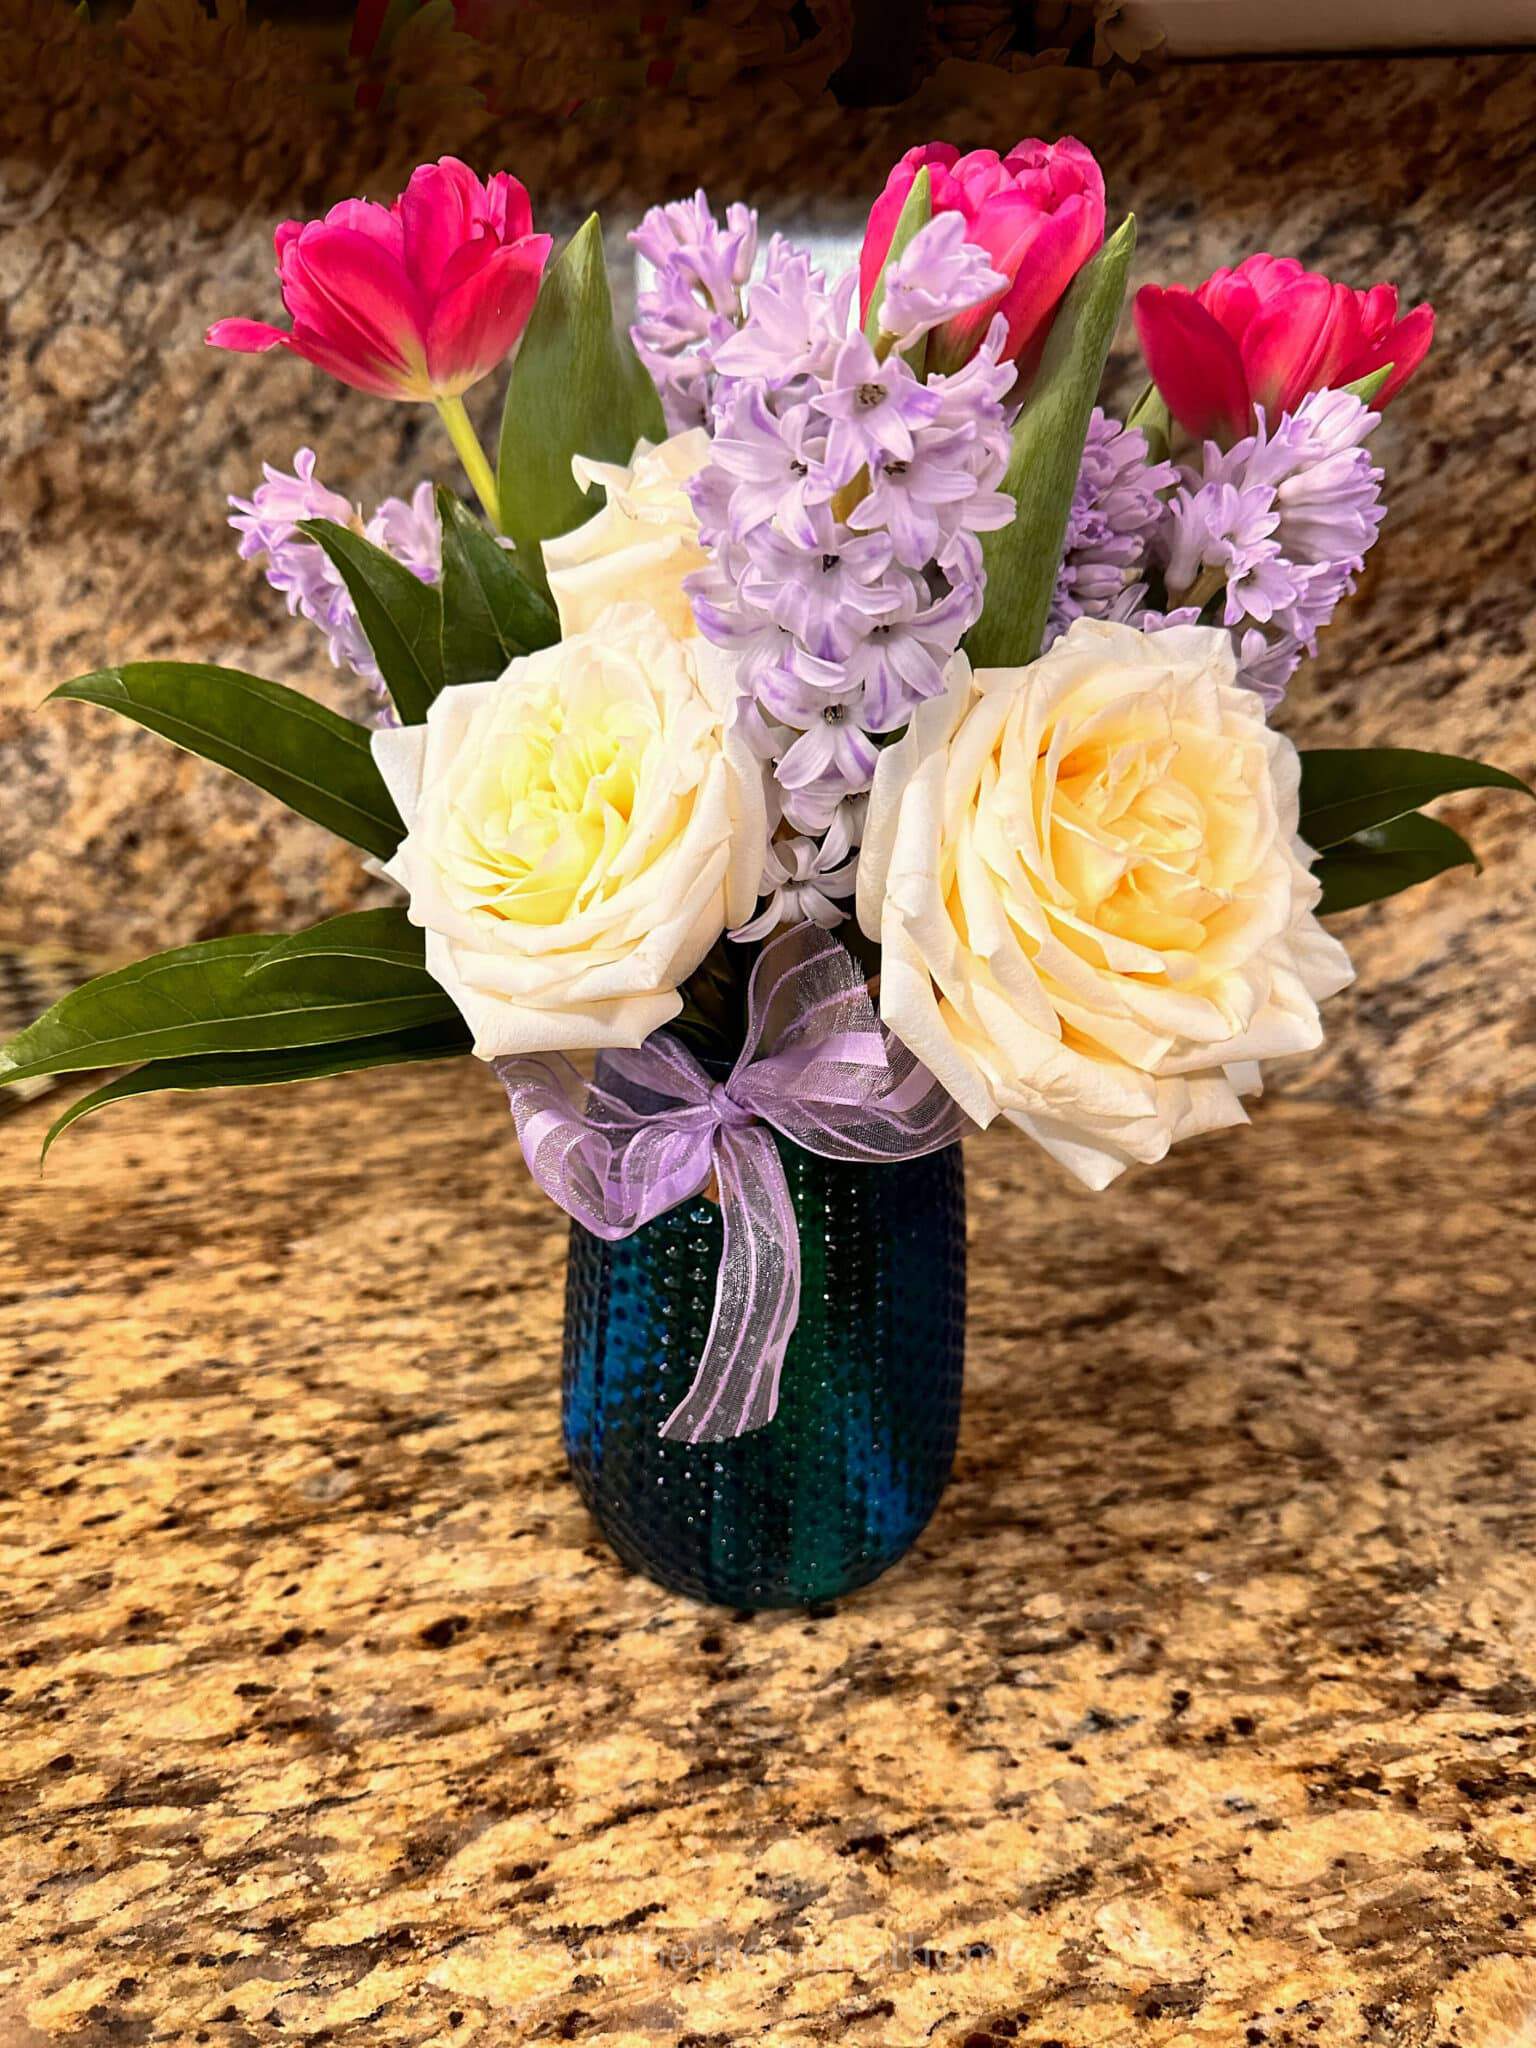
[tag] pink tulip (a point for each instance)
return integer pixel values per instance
(1038, 212)
(1266, 334)
(417, 300)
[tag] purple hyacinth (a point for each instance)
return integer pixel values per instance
(842, 506)
(1116, 511)
(1282, 521)
(874, 407)
(804, 878)
(300, 569)
(795, 322)
(937, 275)
(694, 303)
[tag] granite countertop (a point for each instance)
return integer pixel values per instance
(1204, 1711)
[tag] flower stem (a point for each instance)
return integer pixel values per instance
(467, 446)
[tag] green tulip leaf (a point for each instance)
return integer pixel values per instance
(1346, 790)
(1384, 859)
(1022, 558)
(1365, 388)
(1150, 413)
(400, 615)
(490, 611)
(203, 999)
(916, 212)
(577, 388)
(447, 1040)
(310, 758)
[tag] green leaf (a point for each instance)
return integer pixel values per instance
(1151, 414)
(577, 388)
(916, 212)
(1366, 388)
(379, 935)
(1022, 558)
(401, 615)
(1345, 790)
(448, 1040)
(315, 761)
(202, 999)
(1384, 859)
(490, 611)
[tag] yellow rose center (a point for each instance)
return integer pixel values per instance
(534, 831)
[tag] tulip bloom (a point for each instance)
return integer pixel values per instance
(1038, 213)
(1266, 334)
(417, 300)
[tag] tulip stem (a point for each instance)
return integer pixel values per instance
(466, 444)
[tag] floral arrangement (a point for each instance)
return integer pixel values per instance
(837, 725)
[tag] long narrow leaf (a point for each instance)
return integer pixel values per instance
(448, 1040)
(577, 388)
(1345, 790)
(1384, 859)
(378, 935)
(490, 612)
(401, 615)
(1023, 557)
(310, 758)
(201, 999)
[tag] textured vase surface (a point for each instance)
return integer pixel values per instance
(844, 1478)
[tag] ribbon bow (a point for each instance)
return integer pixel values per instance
(653, 1129)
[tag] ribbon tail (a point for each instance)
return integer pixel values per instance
(757, 1296)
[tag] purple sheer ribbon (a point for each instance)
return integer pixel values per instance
(652, 1129)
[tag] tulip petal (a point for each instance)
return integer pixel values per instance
(475, 327)
(443, 207)
(1283, 342)
(366, 217)
(1405, 348)
(1194, 363)
(343, 287)
(1342, 340)
(248, 337)
(347, 366)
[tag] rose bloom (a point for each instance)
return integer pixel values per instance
(642, 544)
(1095, 914)
(579, 833)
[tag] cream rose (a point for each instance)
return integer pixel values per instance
(1095, 914)
(579, 833)
(642, 544)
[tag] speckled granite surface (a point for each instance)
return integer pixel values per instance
(1204, 1711)
(121, 436)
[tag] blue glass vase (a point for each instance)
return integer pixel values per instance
(842, 1481)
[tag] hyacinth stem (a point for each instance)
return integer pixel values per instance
(467, 447)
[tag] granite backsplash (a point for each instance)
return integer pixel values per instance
(120, 437)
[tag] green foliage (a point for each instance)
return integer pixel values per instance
(204, 999)
(447, 1040)
(1023, 557)
(385, 935)
(1347, 790)
(315, 761)
(1151, 414)
(1365, 388)
(490, 611)
(576, 388)
(916, 212)
(1384, 859)
(401, 615)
